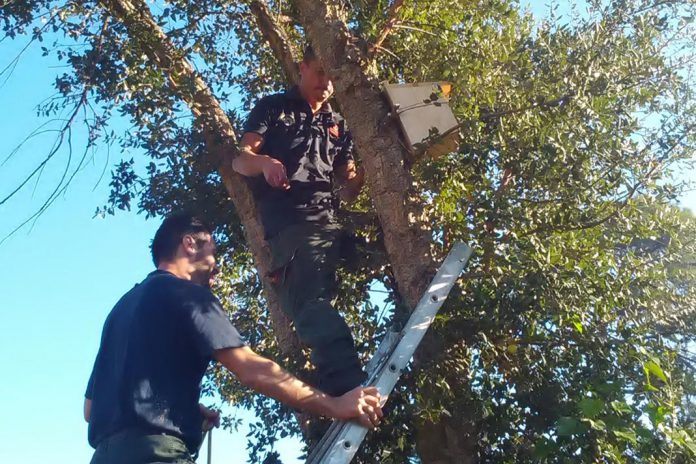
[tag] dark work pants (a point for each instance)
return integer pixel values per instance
(305, 257)
(134, 446)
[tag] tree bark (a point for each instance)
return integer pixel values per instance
(220, 141)
(277, 39)
(406, 236)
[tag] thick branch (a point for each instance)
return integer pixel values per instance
(219, 136)
(277, 39)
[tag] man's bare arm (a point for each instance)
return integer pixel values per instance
(266, 377)
(251, 162)
(87, 409)
(351, 179)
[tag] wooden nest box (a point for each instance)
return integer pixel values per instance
(426, 119)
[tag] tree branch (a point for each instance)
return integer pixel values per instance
(597, 222)
(65, 133)
(220, 139)
(392, 18)
(277, 39)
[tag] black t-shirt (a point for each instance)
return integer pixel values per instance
(310, 146)
(155, 347)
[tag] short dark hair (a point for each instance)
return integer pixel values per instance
(308, 54)
(172, 231)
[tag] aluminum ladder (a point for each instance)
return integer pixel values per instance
(342, 440)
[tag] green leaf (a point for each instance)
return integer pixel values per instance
(627, 434)
(544, 448)
(598, 424)
(578, 326)
(654, 368)
(591, 407)
(620, 407)
(567, 426)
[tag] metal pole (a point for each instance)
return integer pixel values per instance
(210, 446)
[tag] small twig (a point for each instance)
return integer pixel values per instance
(35, 133)
(412, 28)
(65, 133)
(15, 60)
(52, 153)
(379, 47)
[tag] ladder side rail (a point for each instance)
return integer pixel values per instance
(347, 436)
(373, 368)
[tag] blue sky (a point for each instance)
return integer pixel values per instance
(60, 279)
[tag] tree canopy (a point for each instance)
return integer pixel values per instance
(571, 336)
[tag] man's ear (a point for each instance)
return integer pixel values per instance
(189, 244)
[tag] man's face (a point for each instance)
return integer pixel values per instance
(315, 83)
(203, 259)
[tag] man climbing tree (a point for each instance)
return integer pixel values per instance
(299, 145)
(142, 397)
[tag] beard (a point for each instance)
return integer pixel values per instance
(205, 276)
(211, 277)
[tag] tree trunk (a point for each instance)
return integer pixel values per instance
(378, 142)
(406, 236)
(220, 141)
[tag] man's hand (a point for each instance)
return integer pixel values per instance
(351, 179)
(251, 162)
(211, 418)
(266, 377)
(357, 174)
(274, 173)
(362, 404)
